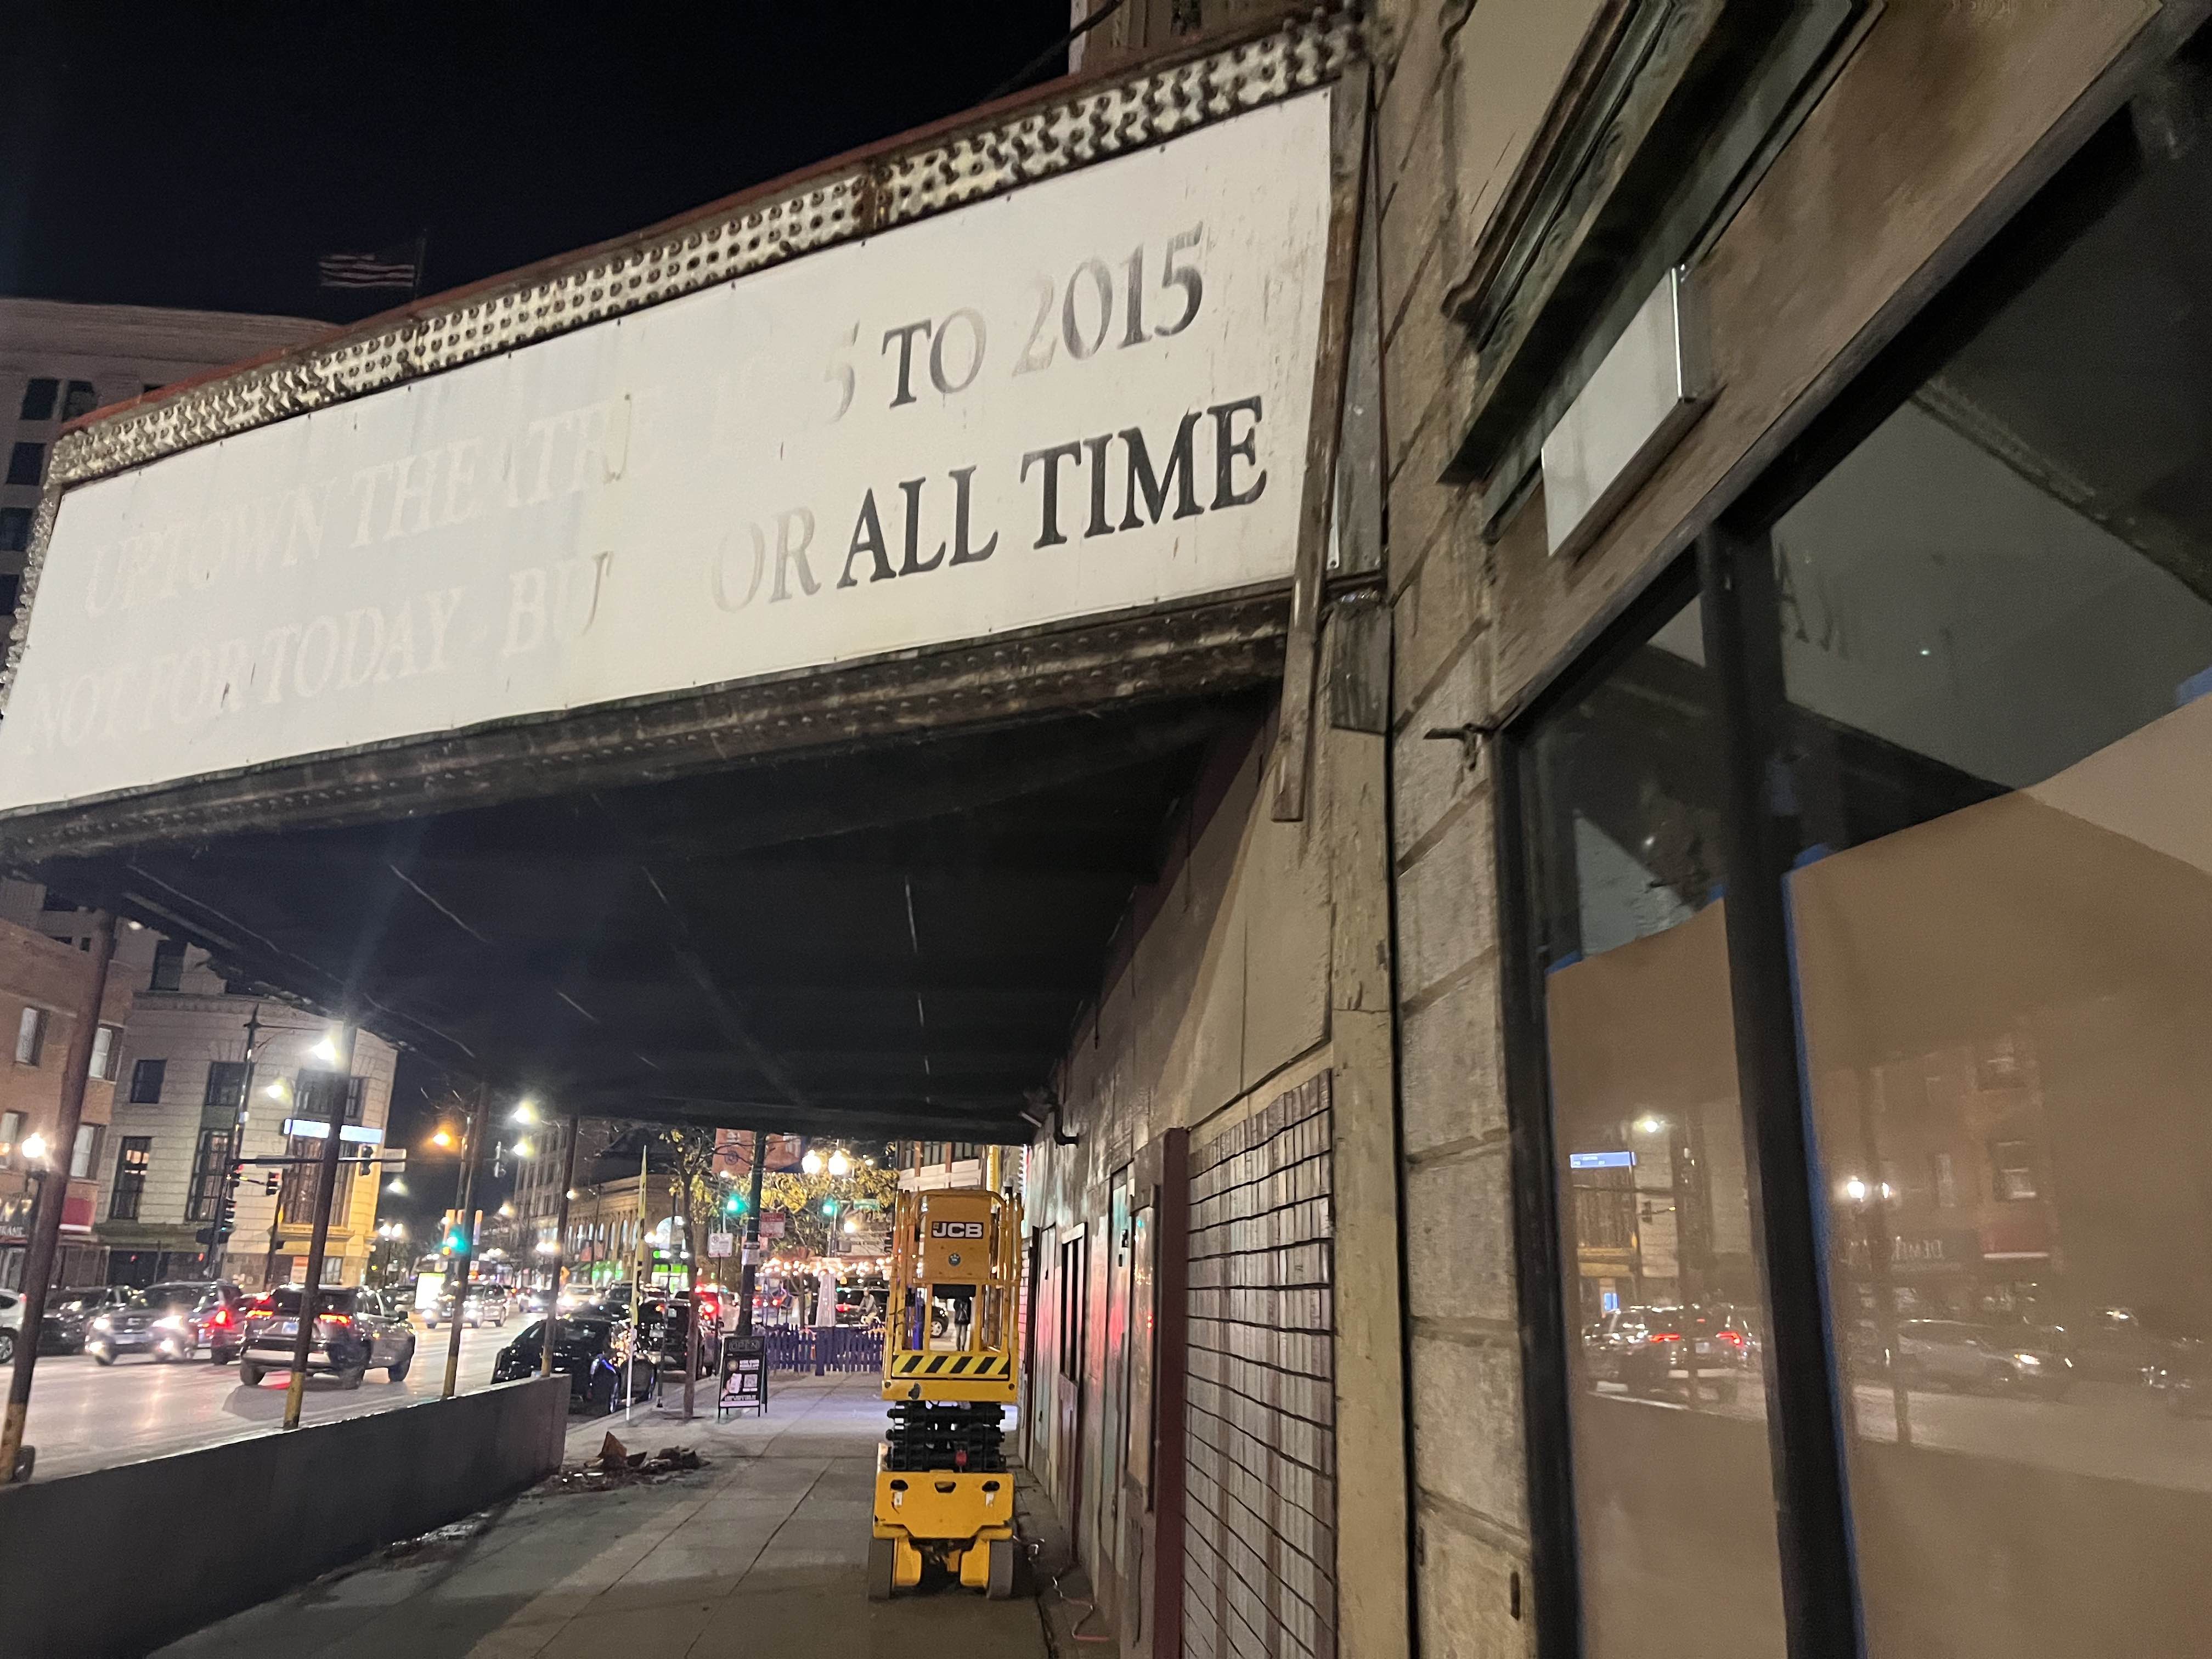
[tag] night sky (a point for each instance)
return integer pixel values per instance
(203, 153)
(206, 154)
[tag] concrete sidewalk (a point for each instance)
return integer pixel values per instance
(763, 1553)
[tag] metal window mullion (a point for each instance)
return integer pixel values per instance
(1743, 643)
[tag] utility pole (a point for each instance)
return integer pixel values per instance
(49, 1201)
(560, 1247)
(748, 1272)
(339, 1091)
(457, 1277)
(227, 1195)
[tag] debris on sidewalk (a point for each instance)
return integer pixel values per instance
(619, 1466)
(439, 1542)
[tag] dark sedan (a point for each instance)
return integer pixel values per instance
(69, 1314)
(593, 1351)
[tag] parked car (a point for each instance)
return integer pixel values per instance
(1648, 1351)
(11, 1320)
(356, 1332)
(172, 1321)
(1955, 1354)
(69, 1314)
(597, 1354)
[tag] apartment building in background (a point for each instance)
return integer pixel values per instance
(186, 1093)
(59, 360)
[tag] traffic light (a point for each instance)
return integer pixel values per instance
(734, 1204)
(453, 1239)
(829, 1206)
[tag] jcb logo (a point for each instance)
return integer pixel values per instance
(956, 1229)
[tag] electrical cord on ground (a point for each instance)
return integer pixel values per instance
(1035, 1547)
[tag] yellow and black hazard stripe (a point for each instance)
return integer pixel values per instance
(952, 1365)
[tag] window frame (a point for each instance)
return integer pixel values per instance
(129, 1177)
(159, 1071)
(31, 1029)
(1730, 566)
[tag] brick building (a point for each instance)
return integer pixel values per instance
(42, 986)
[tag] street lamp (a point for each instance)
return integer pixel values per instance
(840, 1165)
(525, 1111)
(326, 1051)
(811, 1163)
(34, 1147)
(522, 1148)
(443, 1139)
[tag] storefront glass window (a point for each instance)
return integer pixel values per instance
(1673, 1491)
(1996, 635)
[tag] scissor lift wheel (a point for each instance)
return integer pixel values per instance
(882, 1563)
(1001, 1586)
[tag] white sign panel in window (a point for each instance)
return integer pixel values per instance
(1086, 397)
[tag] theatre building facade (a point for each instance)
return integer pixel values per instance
(1525, 681)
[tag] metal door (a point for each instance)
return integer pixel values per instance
(1067, 1387)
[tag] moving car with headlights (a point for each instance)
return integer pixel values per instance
(356, 1332)
(171, 1321)
(70, 1314)
(1955, 1353)
(484, 1307)
(594, 1350)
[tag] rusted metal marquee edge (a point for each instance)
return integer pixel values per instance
(967, 159)
(1215, 646)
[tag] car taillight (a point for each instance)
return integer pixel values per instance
(1735, 1337)
(1663, 1336)
(219, 1316)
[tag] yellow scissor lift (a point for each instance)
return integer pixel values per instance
(943, 1490)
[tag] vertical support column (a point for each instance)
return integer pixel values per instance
(51, 1199)
(1743, 641)
(326, 1182)
(1171, 1390)
(560, 1248)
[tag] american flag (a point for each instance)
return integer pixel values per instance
(398, 267)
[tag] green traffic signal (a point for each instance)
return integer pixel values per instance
(829, 1206)
(734, 1204)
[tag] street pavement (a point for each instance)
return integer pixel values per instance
(86, 1416)
(762, 1551)
(2117, 1430)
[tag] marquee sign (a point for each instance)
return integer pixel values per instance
(1079, 399)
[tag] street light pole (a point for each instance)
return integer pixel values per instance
(748, 1270)
(326, 1180)
(43, 1241)
(471, 1139)
(227, 1195)
(560, 1248)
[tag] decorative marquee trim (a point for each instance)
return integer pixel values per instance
(819, 212)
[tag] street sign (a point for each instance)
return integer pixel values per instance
(1600, 1160)
(721, 1244)
(771, 1226)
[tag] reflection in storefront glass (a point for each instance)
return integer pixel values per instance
(1997, 619)
(1673, 1493)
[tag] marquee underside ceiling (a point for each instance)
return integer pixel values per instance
(895, 939)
